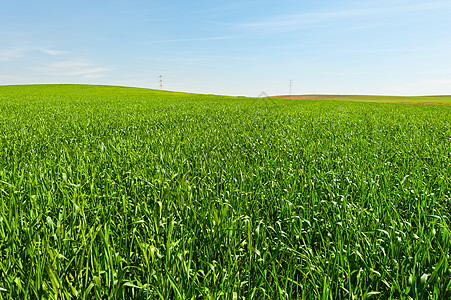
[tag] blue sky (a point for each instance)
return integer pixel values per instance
(235, 47)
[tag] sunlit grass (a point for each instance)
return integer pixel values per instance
(109, 192)
(442, 100)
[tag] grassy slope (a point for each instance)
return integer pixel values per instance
(124, 192)
(443, 100)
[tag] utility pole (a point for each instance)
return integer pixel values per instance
(160, 82)
(291, 84)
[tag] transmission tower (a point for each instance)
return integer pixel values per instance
(291, 84)
(160, 82)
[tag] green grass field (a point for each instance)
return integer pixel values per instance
(112, 192)
(443, 100)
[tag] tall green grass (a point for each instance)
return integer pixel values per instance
(109, 192)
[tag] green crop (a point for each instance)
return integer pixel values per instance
(109, 192)
(444, 100)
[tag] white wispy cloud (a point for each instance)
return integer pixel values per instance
(310, 19)
(69, 64)
(194, 39)
(422, 87)
(53, 52)
(438, 71)
(75, 68)
(12, 54)
(14, 79)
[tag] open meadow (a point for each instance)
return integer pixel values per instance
(442, 100)
(113, 192)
